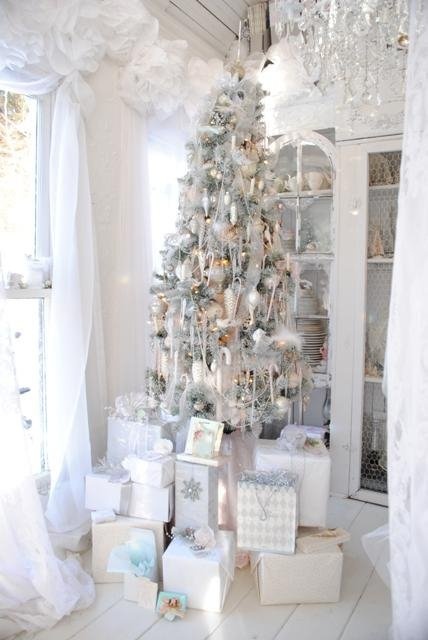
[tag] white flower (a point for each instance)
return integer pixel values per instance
(163, 446)
(154, 78)
(204, 537)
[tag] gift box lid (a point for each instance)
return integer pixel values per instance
(223, 554)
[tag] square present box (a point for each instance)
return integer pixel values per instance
(267, 511)
(204, 577)
(102, 493)
(151, 468)
(299, 578)
(313, 470)
(130, 436)
(196, 495)
(107, 535)
(151, 503)
(140, 590)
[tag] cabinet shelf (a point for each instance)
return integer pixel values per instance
(310, 256)
(292, 195)
(383, 187)
(380, 260)
(373, 379)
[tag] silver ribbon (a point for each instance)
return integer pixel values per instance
(277, 478)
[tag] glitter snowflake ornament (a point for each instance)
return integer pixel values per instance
(192, 490)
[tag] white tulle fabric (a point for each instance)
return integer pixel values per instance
(407, 356)
(36, 589)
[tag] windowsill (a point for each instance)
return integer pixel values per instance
(28, 292)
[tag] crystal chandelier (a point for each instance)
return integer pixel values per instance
(352, 45)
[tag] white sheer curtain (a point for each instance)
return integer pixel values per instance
(152, 158)
(72, 291)
(36, 589)
(407, 356)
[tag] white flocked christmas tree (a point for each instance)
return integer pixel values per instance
(222, 328)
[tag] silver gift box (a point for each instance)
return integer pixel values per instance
(267, 511)
(196, 495)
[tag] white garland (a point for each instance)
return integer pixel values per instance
(69, 36)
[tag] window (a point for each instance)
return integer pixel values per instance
(25, 250)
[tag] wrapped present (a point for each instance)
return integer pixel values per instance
(136, 556)
(267, 511)
(299, 578)
(151, 503)
(312, 465)
(196, 495)
(311, 540)
(153, 469)
(136, 559)
(77, 540)
(140, 590)
(108, 535)
(103, 492)
(132, 436)
(205, 577)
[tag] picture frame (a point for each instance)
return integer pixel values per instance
(204, 438)
(171, 605)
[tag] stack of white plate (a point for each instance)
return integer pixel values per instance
(313, 334)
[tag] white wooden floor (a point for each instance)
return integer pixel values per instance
(363, 612)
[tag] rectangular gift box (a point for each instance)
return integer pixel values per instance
(101, 493)
(128, 436)
(151, 503)
(205, 577)
(313, 470)
(151, 469)
(196, 495)
(107, 535)
(140, 590)
(299, 578)
(267, 511)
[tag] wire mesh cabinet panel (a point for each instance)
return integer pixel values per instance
(368, 198)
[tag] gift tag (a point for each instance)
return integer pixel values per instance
(147, 592)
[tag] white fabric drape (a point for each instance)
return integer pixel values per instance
(71, 309)
(152, 158)
(72, 292)
(36, 589)
(407, 356)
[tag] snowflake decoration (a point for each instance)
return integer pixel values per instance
(191, 490)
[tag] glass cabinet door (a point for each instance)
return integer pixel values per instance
(304, 164)
(383, 185)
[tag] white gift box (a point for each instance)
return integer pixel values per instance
(267, 511)
(151, 503)
(204, 578)
(128, 436)
(152, 469)
(140, 590)
(299, 578)
(313, 470)
(77, 540)
(107, 535)
(196, 495)
(101, 493)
